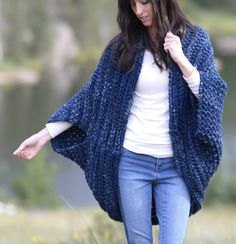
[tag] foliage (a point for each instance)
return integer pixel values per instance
(86, 60)
(27, 28)
(28, 25)
(33, 184)
(218, 4)
(221, 189)
(10, 65)
(209, 18)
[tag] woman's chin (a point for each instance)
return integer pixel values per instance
(147, 24)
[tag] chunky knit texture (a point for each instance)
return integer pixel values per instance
(99, 113)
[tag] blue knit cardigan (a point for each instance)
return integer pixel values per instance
(99, 113)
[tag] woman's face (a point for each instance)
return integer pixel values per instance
(143, 10)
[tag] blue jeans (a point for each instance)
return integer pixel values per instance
(140, 176)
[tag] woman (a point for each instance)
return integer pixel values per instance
(146, 128)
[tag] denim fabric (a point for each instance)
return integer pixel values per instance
(140, 176)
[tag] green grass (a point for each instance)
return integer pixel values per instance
(214, 225)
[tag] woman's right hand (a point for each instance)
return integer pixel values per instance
(32, 145)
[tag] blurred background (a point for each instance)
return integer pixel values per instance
(48, 50)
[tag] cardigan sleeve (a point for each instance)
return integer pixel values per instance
(212, 91)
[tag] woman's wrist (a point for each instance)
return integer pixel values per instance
(44, 135)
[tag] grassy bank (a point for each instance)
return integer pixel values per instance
(213, 225)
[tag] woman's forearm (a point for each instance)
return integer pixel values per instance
(190, 75)
(44, 136)
(55, 128)
(186, 67)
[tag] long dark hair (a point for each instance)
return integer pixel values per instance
(167, 15)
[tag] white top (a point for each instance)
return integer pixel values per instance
(147, 130)
(55, 128)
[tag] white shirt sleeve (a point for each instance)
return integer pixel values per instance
(55, 128)
(193, 82)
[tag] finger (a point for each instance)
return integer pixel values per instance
(20, 153)
(170, 48)
(170, 35)
(169, 42)
(172, 45)
(22, 146)
(166, 49)
(17, 152)
(19, 149)
(30, 156)
(168, 38)
(168, 45)
(26, 155)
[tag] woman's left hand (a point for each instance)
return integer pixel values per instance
(172, 44)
